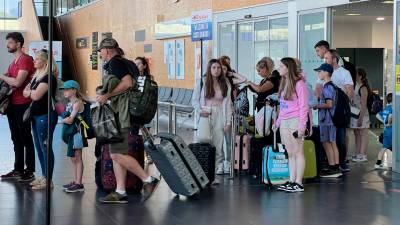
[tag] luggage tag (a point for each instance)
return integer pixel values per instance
(157, 141)
(281, 147)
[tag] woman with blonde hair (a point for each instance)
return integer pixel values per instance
(268, 85)
(37, 91)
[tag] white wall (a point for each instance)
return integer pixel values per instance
(363, 34)
(5, 57)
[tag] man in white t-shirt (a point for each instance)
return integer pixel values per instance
(341, 78)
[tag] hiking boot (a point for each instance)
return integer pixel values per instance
(66, 186)
(75, 188)
(114, 198)
(11, 175)
(27, 177)
(149, 188)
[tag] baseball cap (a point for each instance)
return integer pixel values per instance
(70, 84)
(108, 43)
(325, 67)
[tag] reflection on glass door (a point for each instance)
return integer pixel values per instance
(261, 44)
(245, 49)
(227, 41)
(311, 30)
(278, 36)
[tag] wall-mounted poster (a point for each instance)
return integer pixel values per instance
(94, 56)
(169, 58)
(82, 43)
(180, 59)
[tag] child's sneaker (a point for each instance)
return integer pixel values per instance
(66, 186)
(295, 187)
(37, 181)
(379, 166)
(75, 188)
(283, 187)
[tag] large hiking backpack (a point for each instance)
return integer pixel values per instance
(374, 102)
(143, 97)
(342, 113)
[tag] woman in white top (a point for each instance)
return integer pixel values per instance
(212, 99)
(361, 124)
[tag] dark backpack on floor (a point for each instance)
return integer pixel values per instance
(341, 115)
(143, 97)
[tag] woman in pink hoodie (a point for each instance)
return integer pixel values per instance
(292, 120)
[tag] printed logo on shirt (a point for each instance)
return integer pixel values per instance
(141, 81)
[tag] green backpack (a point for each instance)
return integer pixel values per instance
(143, 100)
(143, 97)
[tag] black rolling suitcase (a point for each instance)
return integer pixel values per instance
(176, 163)
(205, 154)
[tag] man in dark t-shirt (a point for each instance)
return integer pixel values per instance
(18, 75)
(117, 66)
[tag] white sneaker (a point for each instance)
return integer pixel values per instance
(220, 169)
(379, 167)
(37, 181)
(227, 167)
(357, 158)
(363, 158)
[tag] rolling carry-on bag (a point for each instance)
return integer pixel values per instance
(133, 183)
(176, 163)
(205, 154)
(242, 152)
(275, 168)
(310, 158)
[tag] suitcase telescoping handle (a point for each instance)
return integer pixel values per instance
(147, 135)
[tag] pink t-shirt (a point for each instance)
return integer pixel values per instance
(297, 107)
(24, 62)
(217, 100)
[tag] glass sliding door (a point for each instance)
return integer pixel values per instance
(311, 30)
(246, 49)
(227, 42)
(396, 82)
(261, 44)
(278, 35)
(313, 26)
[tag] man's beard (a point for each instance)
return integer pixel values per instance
(12, 50)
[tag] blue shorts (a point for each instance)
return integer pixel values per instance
(327, 133)
(387, 138)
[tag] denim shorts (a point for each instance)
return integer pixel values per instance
(327, 133)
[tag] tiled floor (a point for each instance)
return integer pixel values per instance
(362, 197)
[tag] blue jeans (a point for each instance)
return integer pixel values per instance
(39, 130)
(341, 144)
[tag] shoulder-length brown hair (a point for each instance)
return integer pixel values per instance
(288, 83)
(209, 87)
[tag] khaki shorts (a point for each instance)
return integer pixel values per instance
(122, 147)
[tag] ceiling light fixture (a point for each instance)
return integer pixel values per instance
(380, 18)
(353, 14)
(388, 2)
